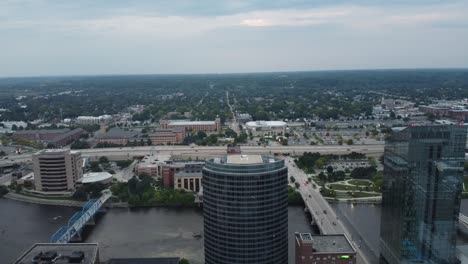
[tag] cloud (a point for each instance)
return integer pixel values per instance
(343, 16)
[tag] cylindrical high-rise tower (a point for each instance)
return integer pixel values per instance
(245, 200)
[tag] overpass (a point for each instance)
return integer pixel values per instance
(78, 221)
(322, 213)
(206, 151)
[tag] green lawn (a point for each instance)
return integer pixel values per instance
(341, 187)
(465, 180)
(360, 182)
(362, 194)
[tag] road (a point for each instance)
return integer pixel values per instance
(234, 125)
(322, 212)
(209, 151)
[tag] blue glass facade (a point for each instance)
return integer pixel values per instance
(421, 194)
(245, 212)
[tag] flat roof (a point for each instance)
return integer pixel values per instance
(244, 159)
(95, 177)
(266, 123)
(144, 261)
(189, 123)
(63, 251)
(338, 243)
(183, 174)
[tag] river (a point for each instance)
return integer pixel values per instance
(363, 221)
(151, 232)
(154, 232)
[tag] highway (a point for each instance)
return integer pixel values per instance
(209, 151)
(323, 214)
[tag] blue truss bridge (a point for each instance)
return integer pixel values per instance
(78, 221)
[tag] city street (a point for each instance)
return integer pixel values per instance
(321, 211)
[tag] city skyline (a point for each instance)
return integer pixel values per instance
(93, 38)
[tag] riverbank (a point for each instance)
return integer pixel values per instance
(57, 202)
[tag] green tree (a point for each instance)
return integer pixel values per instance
(350, 141)
(184, 261)
(103, 160)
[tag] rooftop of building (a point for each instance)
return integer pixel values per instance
(116, 133)
(67, 134)
(244, 159)
(266, 123)
(42, 131)
(337, 243)
(190, 123)
(144, 261)
(92, 177)
(84, 253)
(153, 160)
(183, 174)
(94, 117)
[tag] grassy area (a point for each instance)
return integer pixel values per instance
(360, 182)
(362, 195)
(465, 180)
(341, 187)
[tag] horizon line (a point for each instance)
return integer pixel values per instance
(228, 73)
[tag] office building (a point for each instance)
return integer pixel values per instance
(188, 181)
(188, 126)
(324, 249)
(57, 170)
(266, 128)
(423, 176)
(245, 211)
(169, 169)
(93, 120)
(165, 136)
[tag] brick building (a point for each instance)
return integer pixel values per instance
(187, 125)
(164, 136)
(324, 249)
(42, 134)
(115, 136)
(171, 168)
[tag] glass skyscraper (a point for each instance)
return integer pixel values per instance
(423, 175)
(245, 202)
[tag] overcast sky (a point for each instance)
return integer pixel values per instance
(71, 37)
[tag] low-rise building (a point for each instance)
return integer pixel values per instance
(171, 168)
(188, 181)
(266, 128)
(84, 253)
(115, 136)
(40, 135)
(57, 170)
(324, 249)
(93, 120)
(103, 177)
(165, 136)
(187, 125)
(66, 138)
(152, 165)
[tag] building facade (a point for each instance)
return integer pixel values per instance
(324, 249)
(423, 176)
(245, 210)
(93, 120)
(187, 125)
(165, 136)
(266, 128)
(57, 170)
(188, 181)
(169, 170)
